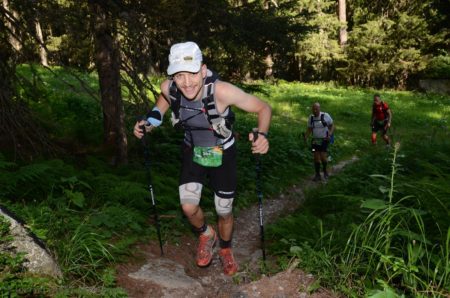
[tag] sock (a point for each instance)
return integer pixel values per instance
(317, 166)
(224, 244)
(208, 231)
(324, 166)
(201, 230)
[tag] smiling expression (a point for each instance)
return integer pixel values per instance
(190, 84)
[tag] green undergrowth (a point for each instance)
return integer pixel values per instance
(381, 227)
(90, 214)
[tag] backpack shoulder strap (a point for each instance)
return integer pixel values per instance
(210, 104)
(322, 119)
(221, 123)
(175, 99)
(208, 97)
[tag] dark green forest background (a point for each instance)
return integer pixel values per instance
(75, 75)
(361, 43)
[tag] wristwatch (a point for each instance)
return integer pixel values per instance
(265, 134)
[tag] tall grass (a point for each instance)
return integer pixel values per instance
(390, 249)
(394, 249)
(85, 254)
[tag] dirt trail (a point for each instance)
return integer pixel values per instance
(176, 275)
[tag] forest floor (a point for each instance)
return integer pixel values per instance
(175, 274)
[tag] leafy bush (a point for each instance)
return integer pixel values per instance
(438, 68)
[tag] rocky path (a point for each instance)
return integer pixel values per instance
(176, 275)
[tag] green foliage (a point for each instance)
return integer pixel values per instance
(330, 215)
(84, 253)
(438, 68)
(69, 108)
(318, 49)
(386, 245)
(90, 214)
(376, 59)
(77, 219)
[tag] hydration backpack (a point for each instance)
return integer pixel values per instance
(324, 123)
(221, 125)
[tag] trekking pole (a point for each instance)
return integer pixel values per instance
(260, 196)
(147, 164)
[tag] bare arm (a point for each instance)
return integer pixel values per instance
(162, 104)
(331, 128)
(388, 124)
(227, 94)
(308, 132)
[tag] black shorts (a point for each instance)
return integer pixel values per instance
(223, 179)
(379, 126)
(319, 146)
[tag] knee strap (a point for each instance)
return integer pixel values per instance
(190, 193)
(224, 207)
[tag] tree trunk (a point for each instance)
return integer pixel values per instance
(107, 60)
(13, 40)
(20, 134)
(40, 38)
(343, 21)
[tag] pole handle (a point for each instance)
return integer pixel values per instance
(255, 134)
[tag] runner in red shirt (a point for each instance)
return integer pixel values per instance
(381, 119)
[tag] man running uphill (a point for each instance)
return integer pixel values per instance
(200, 104)
(381, 119)
(320, 125)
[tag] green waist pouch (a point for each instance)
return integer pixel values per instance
(208, 156)
(317, 141)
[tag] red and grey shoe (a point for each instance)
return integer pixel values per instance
(205, 248)
(230, 267)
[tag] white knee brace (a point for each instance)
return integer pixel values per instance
(190, 193)
(224, 207)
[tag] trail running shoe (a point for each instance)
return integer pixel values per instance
(205, 248)
(325, 176)
(317, 178)
(230, 267)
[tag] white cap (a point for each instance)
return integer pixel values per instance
(185, 56)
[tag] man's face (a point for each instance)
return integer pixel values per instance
(316, 110)
(190, 84)
(376, 100)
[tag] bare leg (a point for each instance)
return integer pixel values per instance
(324, 160)
(323, 157)
(374, 138)
(194, 214)
(225, 225)
(317, 156)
